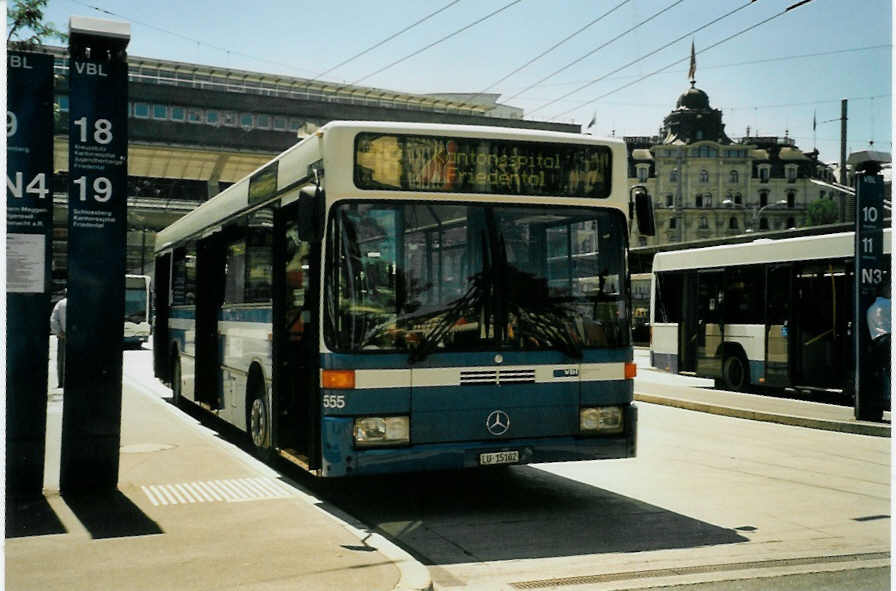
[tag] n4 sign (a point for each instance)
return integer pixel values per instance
(37, 186)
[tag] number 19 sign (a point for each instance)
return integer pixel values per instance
(97, 226)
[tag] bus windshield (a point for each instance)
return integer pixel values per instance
(423, 277)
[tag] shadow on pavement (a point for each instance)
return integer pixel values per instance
(512, 513)
(111, 515)
(31, 517)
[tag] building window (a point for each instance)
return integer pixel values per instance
(791, 199)
(763, 224)
(295, 124)
(763, 198)
(791, 223)
(704, 223)
(194, 115)
(280, 123)
(228, 118)
(212, 117)
(738, 199)
(673, 175)
(791, 171)
(246, 120)
(160, 111)
(643, 172)
(670, 200)
(178, 113)
(704, 176)
(732, 223)
(673, 223)
(733, 177)
(707, 200)
(764, 173)
(141, 110)
(62, 101)
(263, 121)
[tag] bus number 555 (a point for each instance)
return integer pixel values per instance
(334, 401)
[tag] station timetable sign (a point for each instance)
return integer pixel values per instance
(29, 221)
(97, 226)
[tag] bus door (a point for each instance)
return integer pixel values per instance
(779, 343)
(688, 326)
(295, 400)
(821, 304)
(160, 340)
(209, 296)
(710, 328)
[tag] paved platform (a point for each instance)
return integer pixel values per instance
(754, 406)
(191, 512)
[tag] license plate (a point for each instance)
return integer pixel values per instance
(499, 457)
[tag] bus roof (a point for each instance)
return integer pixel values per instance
(805, 248)
(292, 168)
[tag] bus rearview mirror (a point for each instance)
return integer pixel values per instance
(310, 214)
(644, 213)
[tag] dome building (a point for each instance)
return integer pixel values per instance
(706, 185)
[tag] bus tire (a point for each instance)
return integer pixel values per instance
(176, 397)
(258, 419)
(735, 373)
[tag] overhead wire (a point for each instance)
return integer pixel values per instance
(639, 59)
(554, 46)
(752, 62)
(198, 42)
(676, 62)
(596, 49)
(387, 39)
(438, 41)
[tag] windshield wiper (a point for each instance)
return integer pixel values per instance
(430, 340)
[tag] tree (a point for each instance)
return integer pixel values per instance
(821, 212)
(24, 19)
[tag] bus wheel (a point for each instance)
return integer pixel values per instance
(258, 423)
(176, 397)
(734, 373)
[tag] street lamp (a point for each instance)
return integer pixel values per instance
(757, 213)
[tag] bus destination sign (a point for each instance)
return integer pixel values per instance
(396, 162)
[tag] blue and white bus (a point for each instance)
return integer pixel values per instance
(769, 313)
(390, 297)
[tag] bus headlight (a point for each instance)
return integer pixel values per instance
(370, 431)
(601, 420)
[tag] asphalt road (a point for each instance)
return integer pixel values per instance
(709, 499)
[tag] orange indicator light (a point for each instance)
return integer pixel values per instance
(337, 379)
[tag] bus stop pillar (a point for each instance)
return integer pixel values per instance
(97, 226)
(29, 222)
(871, 337)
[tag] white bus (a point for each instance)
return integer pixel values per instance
(396, 297)
(774, 313)
(137, 310)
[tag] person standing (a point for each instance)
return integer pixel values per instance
(878, 317)
(57, 327)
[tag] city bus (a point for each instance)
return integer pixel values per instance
(386, 297)
(137, 318)
(770, 313)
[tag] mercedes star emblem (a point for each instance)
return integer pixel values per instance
(497, 423)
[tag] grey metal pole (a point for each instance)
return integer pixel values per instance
(843, 179)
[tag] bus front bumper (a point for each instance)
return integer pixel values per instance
(342, 458)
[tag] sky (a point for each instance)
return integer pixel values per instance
(623, 63)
